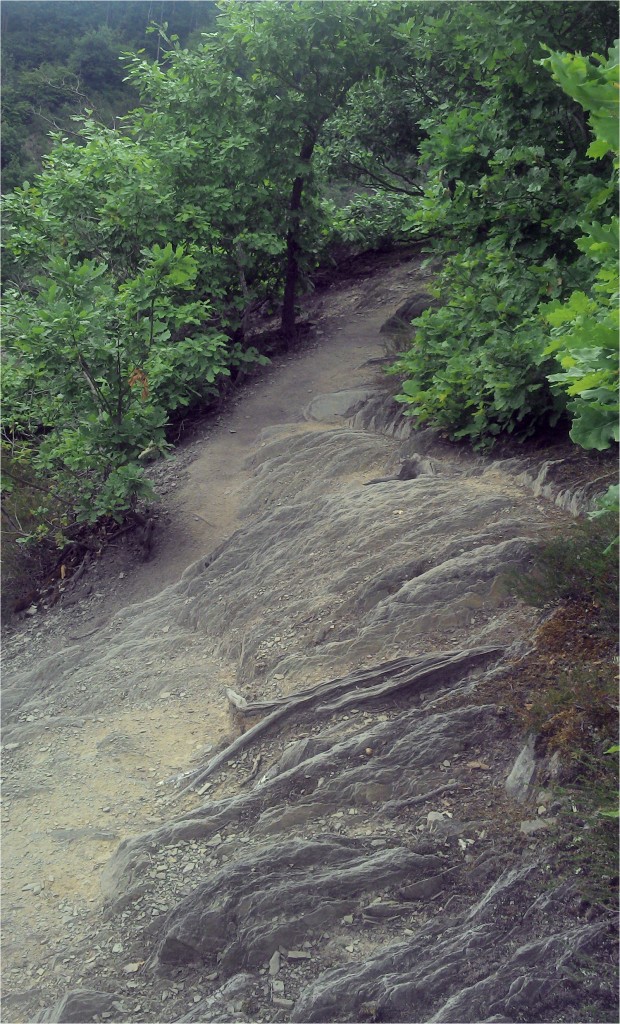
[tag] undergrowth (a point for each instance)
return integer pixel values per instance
(581, 565)
(566, 691)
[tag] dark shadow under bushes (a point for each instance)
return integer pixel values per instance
(580, 565)
(566, 691)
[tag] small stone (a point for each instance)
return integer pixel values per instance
(281, 1001)
(278, 986)
(369, 751)
(165, 694)
(131, 968)
(535, 824)
(216, 841)
(106, 810)
(298, 954)
(523, 772)
(542, 809)
(274, 964)
(117, 947)
(347, 919)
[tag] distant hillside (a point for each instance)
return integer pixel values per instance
(60, 58)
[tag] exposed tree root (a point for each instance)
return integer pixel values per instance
(367, 684)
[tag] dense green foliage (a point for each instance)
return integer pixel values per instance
(514, 153)
(134, 259)
(59, 59)
(585, 334)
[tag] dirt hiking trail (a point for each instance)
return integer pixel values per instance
(362, 858)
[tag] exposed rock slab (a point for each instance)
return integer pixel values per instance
(375, 838)
(80, 1006)
(460, 969)
(278, 896)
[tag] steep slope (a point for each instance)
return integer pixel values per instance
(362, 834)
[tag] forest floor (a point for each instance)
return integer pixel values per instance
(118, 687)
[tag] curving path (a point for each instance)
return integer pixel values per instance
(361, 859)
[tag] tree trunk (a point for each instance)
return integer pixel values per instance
(240, 258)
(292, 245)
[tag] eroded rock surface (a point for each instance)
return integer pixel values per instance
(363, 857)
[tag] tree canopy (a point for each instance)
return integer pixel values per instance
(252, 156)
(60, 58)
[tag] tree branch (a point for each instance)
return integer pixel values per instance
(96, 391)
(36, 487)
(389, 186)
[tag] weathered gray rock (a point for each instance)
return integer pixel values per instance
(446, 582)
(277, 896)
(536, 824)
(302, 750)
(522, 775)
(337, 404)
(410, 309)
(429, 887)
(367, 572)
(79, 1006)
(380, 413)
(460, 968)
(403, 765)
(228, 1003)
